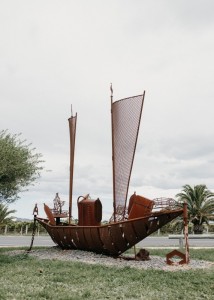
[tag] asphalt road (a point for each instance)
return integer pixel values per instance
(24, 241)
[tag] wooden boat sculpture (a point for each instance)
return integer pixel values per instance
(130, 223)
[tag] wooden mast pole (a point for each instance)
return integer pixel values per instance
(72, 148)
(113, 163)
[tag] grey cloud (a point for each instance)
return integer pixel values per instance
(54, 54)
(187, 147)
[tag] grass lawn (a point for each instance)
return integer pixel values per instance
(24, 277)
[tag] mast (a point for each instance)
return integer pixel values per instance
(113, 162)
(72, 128)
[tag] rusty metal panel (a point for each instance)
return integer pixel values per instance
(53, 235)
(60, 235)
(129, 233)
(48, 228)
(140, 227)
(139, 206)
(107, 240)
(82, 240)
(118, 238)
(75, 237)
(166, 217)
(68, 237)
(88, 238)
(161, 221)
(56, 236)
(153, 225)
(95, 234)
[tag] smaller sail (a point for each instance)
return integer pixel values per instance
(72, 128)
(126, 116)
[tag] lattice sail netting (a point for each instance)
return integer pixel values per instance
(126, 115)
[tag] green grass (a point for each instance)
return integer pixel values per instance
(24, 277)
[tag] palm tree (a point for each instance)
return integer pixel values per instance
(4, 214)
(200, 205)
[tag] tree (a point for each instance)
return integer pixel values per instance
(4, 214)
(200, 205)
(20, 166)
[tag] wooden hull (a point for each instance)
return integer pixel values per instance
(111, 239)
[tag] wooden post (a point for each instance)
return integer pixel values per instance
(185, 216)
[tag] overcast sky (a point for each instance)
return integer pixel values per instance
(57, 53)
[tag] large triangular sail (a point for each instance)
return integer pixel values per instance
(126, 116)
(72, 128)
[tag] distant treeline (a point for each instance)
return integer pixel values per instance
(23, 228)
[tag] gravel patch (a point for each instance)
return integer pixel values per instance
(156, 262)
